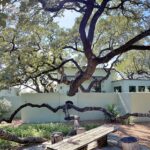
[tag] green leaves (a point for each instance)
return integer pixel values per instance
(4, 2)
(3, 18)
(134, 63)
(31, 48)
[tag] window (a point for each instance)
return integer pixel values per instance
(97, 87)
(132, 88)
(141, 88)
(148, 88)
(117, 88)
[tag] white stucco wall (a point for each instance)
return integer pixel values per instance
(15, 102)
(37, 115)
(12, 95)
(136, 102)
(126, 83)
(9, 92)
(95, 99)
(126, 97)
(141, 104)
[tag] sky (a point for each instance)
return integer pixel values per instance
(68, 20)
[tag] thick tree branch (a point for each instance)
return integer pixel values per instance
(57, 7)
(120, 5)
(62, 107)
(140, 47)
(73, 48)
(68, 106)
(28, 140)
(126, 47)
(82, 29)
(55, 68)
(95, 19)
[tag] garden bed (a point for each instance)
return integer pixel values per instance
(140, 131)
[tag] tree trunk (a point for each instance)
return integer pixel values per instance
(28, 140)
(130, 143)
(86, 75)
(80, 130)
(56, 137)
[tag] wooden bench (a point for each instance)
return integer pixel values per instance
(81, 141)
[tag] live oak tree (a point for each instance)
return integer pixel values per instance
(34, 71)
(93, 45)
(29, 53)
(92, 13)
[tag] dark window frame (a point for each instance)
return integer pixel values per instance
(118, 88)
(141, 88)
(148, 87)
(132, 88)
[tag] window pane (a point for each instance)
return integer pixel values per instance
(97, 87)
(141, 88)
(132, 88)
(117, 88)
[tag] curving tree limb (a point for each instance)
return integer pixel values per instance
(62, 107)
(28, 140)
(68, 106)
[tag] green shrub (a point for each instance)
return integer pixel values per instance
(26, 130)
(41, 130)
(113, 109)
(90, 126)
(5, 106)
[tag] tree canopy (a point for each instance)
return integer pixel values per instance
(105, 30)
(134, 65)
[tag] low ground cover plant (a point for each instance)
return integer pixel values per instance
(41, 130)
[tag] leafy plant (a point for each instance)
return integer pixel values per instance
(113, 109)
(5, 106)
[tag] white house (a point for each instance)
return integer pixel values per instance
(126, 85)
(109, 85)
(9, 92)
(99, 73)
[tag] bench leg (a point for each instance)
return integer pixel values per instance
(83, 148)
(102, 142)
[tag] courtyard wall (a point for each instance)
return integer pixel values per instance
(135, 102)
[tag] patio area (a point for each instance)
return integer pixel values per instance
(139, 130)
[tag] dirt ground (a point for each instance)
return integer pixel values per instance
(139, 130)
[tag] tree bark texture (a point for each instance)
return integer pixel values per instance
(56, 137)
(28, 140)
